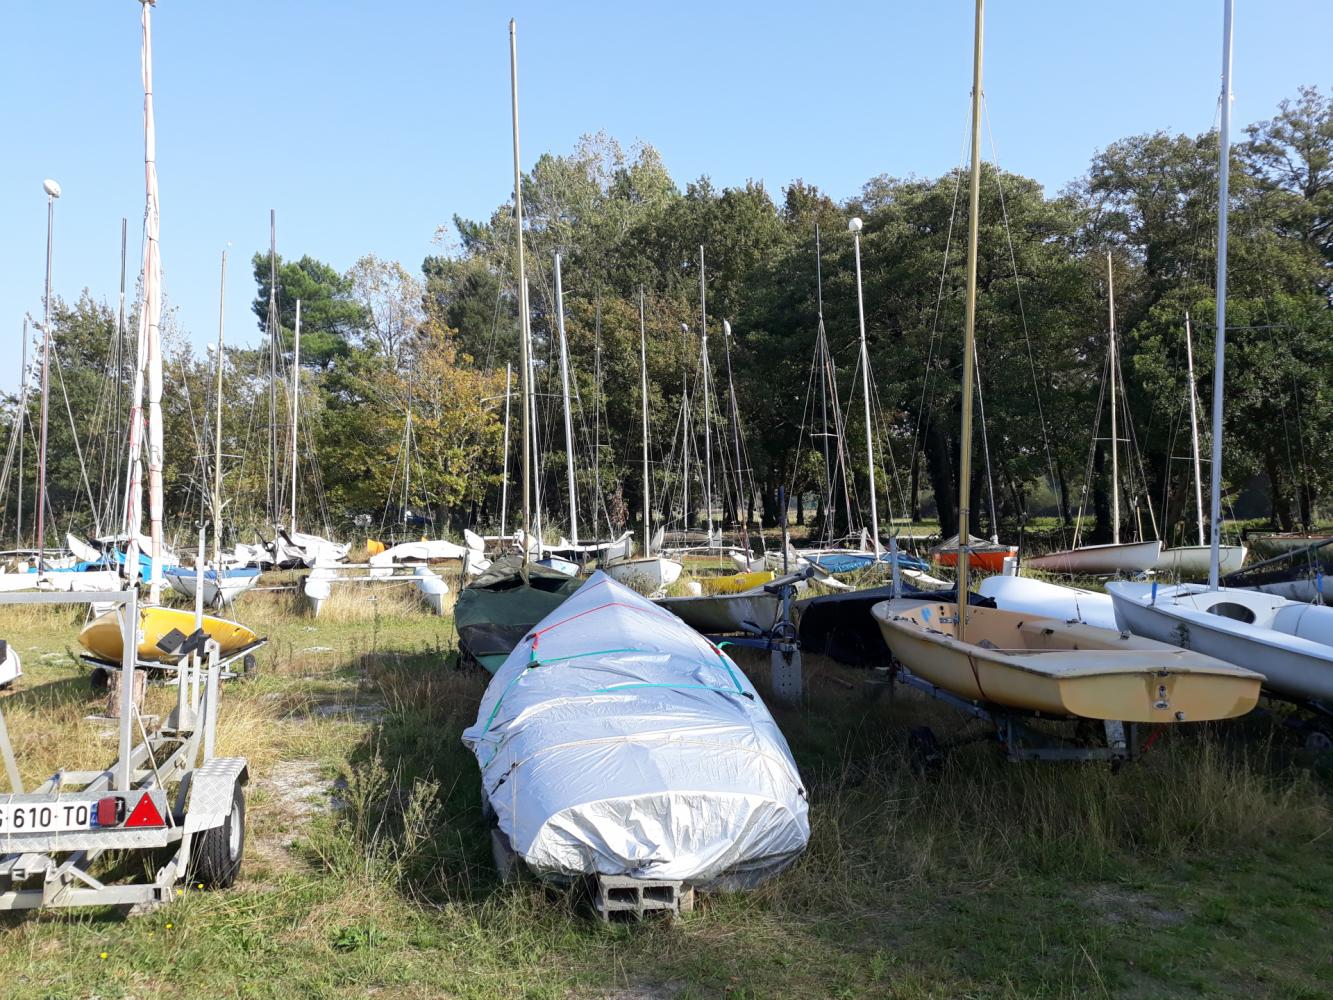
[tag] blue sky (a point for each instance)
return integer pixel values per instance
(368, 125)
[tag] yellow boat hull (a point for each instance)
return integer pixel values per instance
(102, 637)
(738, 582)
(1064, 669)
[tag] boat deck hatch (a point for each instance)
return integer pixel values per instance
(1236, 612)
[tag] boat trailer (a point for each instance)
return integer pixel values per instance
(167, 792)
(1012, 729)
(781, 640)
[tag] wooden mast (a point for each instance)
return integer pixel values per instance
(969, 330)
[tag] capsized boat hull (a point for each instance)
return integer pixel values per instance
(1193, 560)
(102, 636)
(1099, 560)
(1289, 642)
(233, 583)
(1064, 669)
(656, 759)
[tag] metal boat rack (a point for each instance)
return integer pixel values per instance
(1012, 729)
(167, 792)
(781, 640)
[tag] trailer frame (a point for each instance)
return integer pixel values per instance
(167, 791)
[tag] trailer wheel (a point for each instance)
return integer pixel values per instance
(218, 852)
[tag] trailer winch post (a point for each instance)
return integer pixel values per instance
(129, 654)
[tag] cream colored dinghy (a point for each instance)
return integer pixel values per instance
(1036, 664)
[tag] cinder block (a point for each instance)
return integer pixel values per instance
(619, 896)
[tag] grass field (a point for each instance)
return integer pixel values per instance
(1205, 869)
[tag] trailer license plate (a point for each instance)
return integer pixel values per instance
(48, 817)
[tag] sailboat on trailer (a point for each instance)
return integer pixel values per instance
(1028, 663)
(1289, 642)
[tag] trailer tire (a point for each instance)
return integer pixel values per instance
(218, 851)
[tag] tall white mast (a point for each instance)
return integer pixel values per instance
(504, 469)
(296, 404)
(643, 390)
(708, 436)
(217, 423)
(522, 293)
(1115, 437)
(1220, 351)
(564, 395)
(855, 226)
(1194, 432)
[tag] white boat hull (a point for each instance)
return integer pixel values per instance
(1289, 642)
(1099, 560)
(647, 576)
(1050, 600)
(11, 669)
(1193, 560)
(232, 586)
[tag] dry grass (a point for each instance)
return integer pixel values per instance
(990, 879)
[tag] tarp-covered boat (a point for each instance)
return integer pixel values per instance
(615, 740)
(501, 606)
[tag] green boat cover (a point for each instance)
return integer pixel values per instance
(500, 607)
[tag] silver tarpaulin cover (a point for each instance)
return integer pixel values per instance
(616, 740)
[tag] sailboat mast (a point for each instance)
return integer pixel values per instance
(736, 442)
(685, 429)
(22, 419)
(113, 505)
(273, 326)
(217, 422)
(1194, 432)
(969, 330)
(153, 309)
(1115, 437)
(708, 436)
(564, 397)
(855, 227)
(526, 371)
(1220, 350)
(52, 193)
(504, 469)
(823, 385)
(296, 404)
(643, 391)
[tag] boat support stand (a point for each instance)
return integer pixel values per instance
(781, 640)
(1021, 741)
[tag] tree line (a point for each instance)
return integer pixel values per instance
(403, 384)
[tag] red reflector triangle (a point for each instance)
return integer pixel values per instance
(145, 814)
